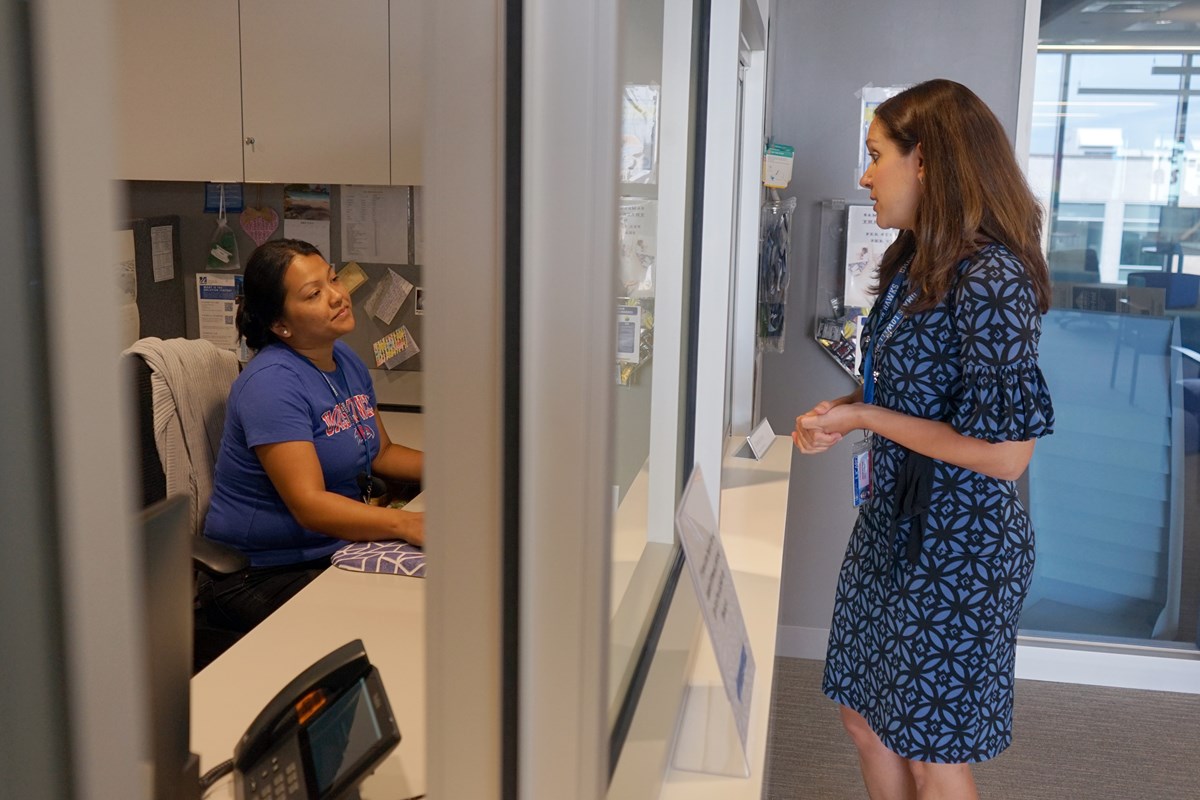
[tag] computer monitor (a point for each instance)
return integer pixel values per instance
(167, 574)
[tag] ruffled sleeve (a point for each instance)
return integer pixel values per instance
(1002, 395)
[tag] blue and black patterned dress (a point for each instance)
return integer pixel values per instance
(922, 643)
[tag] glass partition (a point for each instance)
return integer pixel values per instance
(1115, 158)
(659, 78)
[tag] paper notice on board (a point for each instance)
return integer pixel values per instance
(352, 276)
(306, 215)
(394, 349)
(126, 265)
(871, 97)
(389, 295)
(866, 243)
(216, 296)
(162, 249)
(375, 224)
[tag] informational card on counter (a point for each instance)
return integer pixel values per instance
(705, 557)
(216, 300)
(375, 224)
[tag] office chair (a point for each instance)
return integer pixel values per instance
(208, 557)
(1182, 290)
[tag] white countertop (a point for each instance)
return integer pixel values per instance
(753, 517)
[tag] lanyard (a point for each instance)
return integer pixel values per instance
(870, 374)
(358, 423)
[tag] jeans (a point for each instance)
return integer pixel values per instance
(239, 602)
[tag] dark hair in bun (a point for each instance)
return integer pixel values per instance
(261, 303)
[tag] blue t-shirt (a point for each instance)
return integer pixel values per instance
(283, 397)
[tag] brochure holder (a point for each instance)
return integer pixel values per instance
(714, 724)
(849, 250)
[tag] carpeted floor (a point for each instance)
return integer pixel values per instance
(1069, 743)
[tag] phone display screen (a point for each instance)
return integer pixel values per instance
(342, 736)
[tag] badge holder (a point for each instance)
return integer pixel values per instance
(713, 727)
(862, 470)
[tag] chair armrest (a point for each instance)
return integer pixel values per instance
(216, 558)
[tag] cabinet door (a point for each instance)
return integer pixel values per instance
(408, 90)
(315, 91)
(179, 110)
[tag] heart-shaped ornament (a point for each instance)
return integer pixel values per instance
(259, 223)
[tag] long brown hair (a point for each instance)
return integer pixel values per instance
(973, 191)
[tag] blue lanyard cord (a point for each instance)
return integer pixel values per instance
(878, 340)
(337, 398)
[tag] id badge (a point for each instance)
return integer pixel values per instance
(862, 471)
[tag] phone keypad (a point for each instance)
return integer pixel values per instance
(275, 781)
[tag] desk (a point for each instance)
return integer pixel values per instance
(386, 611)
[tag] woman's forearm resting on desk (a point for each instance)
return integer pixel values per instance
(939, 440)
(296, 473)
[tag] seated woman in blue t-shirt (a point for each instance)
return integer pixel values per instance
(302, 439)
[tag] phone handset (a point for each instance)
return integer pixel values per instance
(321, 734)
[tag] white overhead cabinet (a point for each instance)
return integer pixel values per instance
(179, 98)
(273, 91)
(408, 90)
(315, 101)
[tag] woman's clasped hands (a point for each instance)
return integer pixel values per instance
(824, 425)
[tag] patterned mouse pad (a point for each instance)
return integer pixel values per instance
(393, 557)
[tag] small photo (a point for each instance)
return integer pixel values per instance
(420, 301)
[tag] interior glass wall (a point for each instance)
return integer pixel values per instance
(660, 147)
(1115, 158)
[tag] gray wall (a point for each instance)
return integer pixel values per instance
(822, 54)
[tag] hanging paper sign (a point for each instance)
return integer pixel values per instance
(233, 197)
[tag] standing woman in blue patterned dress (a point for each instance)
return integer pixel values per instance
(925, 618)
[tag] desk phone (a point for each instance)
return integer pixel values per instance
(321, 735)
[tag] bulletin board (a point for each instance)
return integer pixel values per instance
(369, 329)
(160, 287)
(170, 309)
